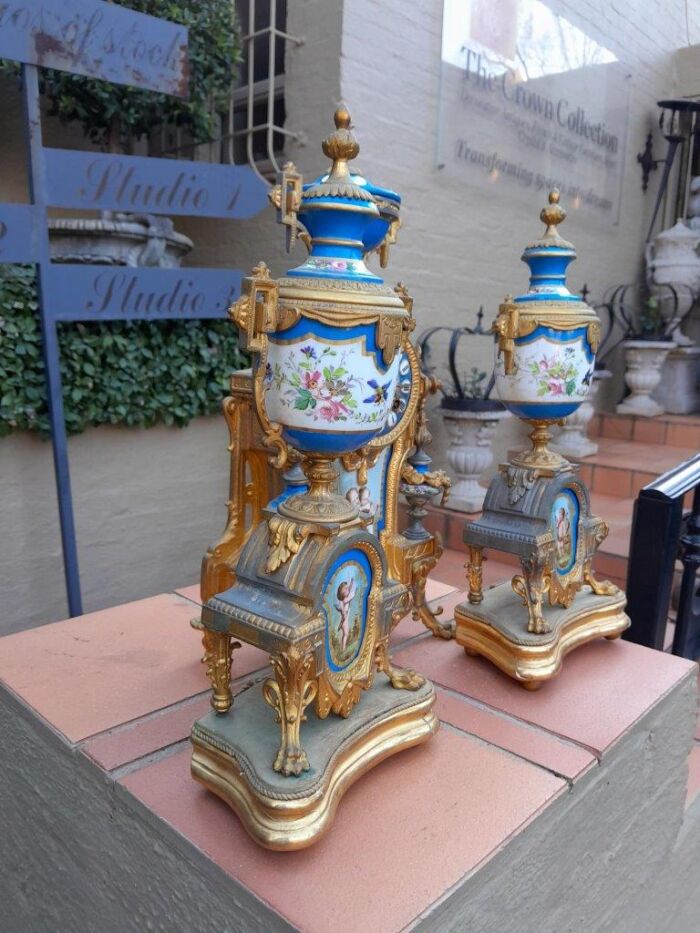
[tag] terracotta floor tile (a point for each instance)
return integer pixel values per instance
(617, 542)
(611, 481)
(609, 507)
(143, 656)
(521, 739)
(403, 834)
(450, 568)
(143, 737)
(435, 589)
(617, 426)
(602, 689)
(693, 775)
(640, 480)
(649, 431)
(586, 473)
(683, 435)
(610, 565)
(190, 592)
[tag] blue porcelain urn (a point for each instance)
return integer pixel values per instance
(328, 336)
(547, 337)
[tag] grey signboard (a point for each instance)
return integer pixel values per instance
(18, 233)
(100, 40)
(119, 293)
(95, 180)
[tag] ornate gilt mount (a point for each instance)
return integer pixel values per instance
(401, 678)
(286, 197)
(289, 693)
(285, 539)
(507, 328)
(218, 651)
(436, 479)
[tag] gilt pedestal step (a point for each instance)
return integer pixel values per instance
(233, 757)
(496, 628)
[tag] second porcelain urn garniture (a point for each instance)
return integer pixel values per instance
(537, 506)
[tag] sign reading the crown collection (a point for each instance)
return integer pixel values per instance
(531, 102)
(97, 39)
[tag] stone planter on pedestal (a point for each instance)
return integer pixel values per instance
(471, 431)
(643, 361)
(573, 440)
(678, 389)
(118, 240)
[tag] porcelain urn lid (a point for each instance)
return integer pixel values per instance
(341, 217)
(548, 259)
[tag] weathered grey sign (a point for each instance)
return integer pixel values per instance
(108, 293)
(18, 233)
(100, 40)
(154, 186)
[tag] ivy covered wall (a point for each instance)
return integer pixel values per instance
(137, 374)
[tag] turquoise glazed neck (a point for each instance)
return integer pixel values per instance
(548, 265)
(549, 258)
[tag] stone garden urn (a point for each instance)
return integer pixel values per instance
(643, 362)
(117, 239)
(471, 426)
(672, 260)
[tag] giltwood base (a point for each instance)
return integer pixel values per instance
(497, 630)
(233, 757)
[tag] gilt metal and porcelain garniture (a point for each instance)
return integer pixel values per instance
(537, 507)
(318, 583)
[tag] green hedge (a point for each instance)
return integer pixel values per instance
(137, 373)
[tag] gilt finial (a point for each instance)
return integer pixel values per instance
(552, 215)
(342, 144)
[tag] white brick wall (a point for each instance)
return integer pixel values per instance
(460, 246)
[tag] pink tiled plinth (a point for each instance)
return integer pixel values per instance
(603, 688)
(92, 673)
(401, 837)
(126, 684)
(549, 751)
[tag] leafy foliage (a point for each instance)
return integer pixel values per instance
(140, 373)
(112, 115)
(473, 383)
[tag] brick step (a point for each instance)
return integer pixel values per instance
(668, 430)
(622, 467)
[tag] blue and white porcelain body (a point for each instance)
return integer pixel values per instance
(545, 354)
(331, 376)
(328, 387)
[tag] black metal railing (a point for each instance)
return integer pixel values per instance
(661, 535)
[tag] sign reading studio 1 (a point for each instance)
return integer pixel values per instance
(531, 101)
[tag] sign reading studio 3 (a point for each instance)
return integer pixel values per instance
(531, 101)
